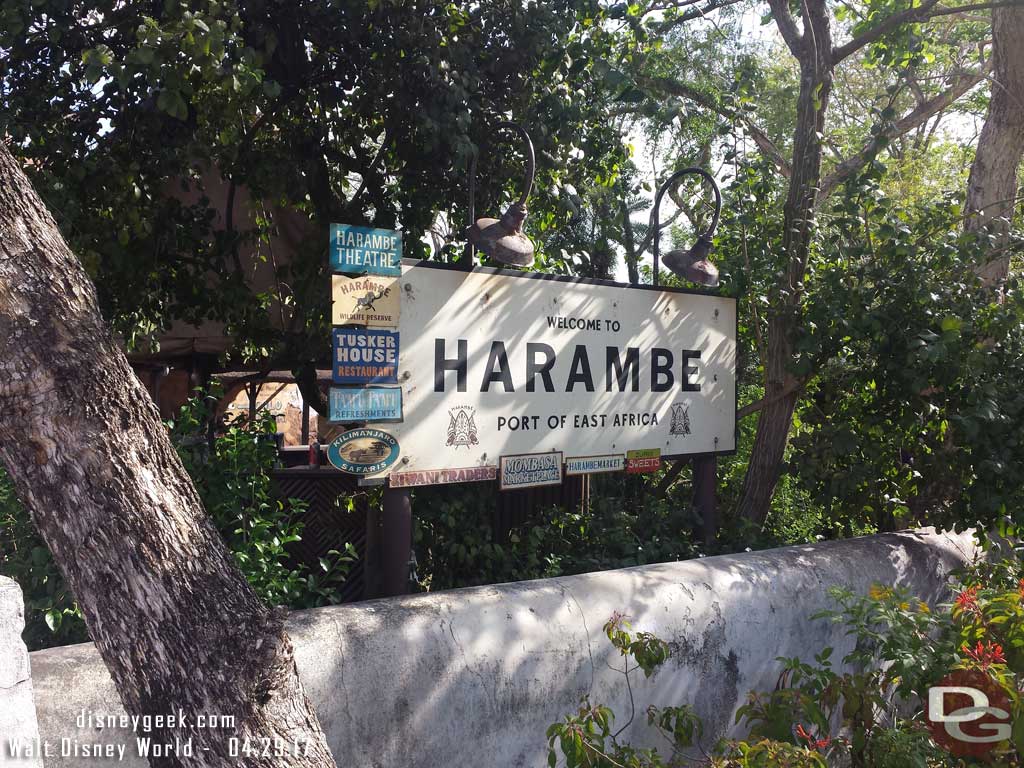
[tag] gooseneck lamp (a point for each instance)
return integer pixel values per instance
(692, 265)
(503, 239)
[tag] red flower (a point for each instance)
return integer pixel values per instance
(1020, 587)
(968, 600)
(985, 654)
(812, 742)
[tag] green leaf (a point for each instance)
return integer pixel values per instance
(53, 619)
(951, 323)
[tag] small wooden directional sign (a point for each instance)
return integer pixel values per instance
(365, 251)
(364, 356)
(529, 470)
(369, 300)
(643, 460)
(589, 465)
(366, 404)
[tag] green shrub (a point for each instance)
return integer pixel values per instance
(51, 614)
(624, 525)
(589, 737)
(233, 478)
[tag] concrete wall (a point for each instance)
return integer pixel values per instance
(19, 734)
(475, 676)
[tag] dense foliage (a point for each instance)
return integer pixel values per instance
(459, 543)
(915, 415)
(169, 138)
(912, 413)
(232, 473)
(51, 615)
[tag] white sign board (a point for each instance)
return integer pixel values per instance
(496, 363)
(592, 465)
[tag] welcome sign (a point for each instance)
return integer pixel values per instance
(500, 363)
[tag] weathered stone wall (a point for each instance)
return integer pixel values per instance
(19, 734)
(474, 676)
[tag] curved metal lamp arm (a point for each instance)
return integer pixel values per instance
(656, 213)
(531, 163)
(531, 169)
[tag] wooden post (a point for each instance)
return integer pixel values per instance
(389, 545)
(705, 469)
(253, 394)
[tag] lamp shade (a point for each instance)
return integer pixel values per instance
(503, 239)
(694, 265)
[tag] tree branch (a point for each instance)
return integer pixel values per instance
(769, 149)
(371, 168)
(695, 13)
(794, 386)
(976, 7)
(670, 477)
(920, 13)
(918, 116)
(649, 237)
(675, 88)
(787, 26)
(927, 10)
(627, 234)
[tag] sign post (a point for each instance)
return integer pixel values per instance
(705, 489)
(366, 304)
(389, 545)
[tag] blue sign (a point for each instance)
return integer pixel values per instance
(363, 451)
(364, 356)
(369, 404)
(366, 251)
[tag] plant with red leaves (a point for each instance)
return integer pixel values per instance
(967, 601)
(985, 654)
(812, 742)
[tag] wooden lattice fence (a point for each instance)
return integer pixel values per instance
(328, 521)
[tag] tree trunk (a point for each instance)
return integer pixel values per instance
(173, 618)
(992, 187)
(814, 51)
(773, 425)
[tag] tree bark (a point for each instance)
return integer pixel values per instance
(813, 50)
(992, 186)
(173, 618)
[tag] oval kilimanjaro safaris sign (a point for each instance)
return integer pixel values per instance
(498, 363)
(363, 451)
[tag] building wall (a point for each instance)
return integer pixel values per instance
(475, 676)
